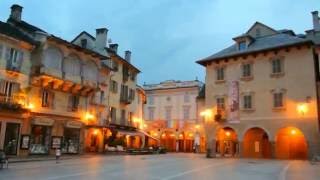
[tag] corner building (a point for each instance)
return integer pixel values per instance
(263, 95)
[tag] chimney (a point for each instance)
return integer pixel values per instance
(16, 12)
(127, 55)
(101, 38)
(114, 47)
(316, 20)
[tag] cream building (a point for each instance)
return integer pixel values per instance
(261, 96)
(171, 114)
(60, 88)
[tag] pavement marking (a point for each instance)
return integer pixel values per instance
(283, 173)
(194, 170)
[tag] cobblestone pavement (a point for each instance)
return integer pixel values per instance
(162, 167)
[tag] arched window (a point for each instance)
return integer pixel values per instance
(90, 71)
(53, 58)
(72, 66)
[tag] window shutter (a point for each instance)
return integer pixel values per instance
(19, 60)
(51, 100)
(2, 86)
(8, 59)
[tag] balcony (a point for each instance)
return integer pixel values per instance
(13, 103)
(125, 100)
(57, 80)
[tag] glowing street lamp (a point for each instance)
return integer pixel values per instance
(228, 134)
(302, 108)
(293, 132)
(88, 116)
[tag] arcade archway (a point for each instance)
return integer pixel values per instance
(291, 144)
(226, 142)
(256, 144)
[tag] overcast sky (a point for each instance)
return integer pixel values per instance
(166, 37)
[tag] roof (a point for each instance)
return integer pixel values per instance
(83, 32)
(110, 51)
(76, 47)
(13, 32)
(24, 25)
(172, 84)
(278, 40)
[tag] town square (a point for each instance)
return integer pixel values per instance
(159, 90)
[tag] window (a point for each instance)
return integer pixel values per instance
(133, 76)
(277, 66)
(84, 43)
(247, 102)
(113, 86)
(168, 113)
(220, 73)
(246, 70)
(14, 59)
(115, 66)
(123, 117)
(7, 90)
(220, 103)
(278, 100)
(151, 113)
(131, 94)
(73, 103)
(151, 100)
(101, 97)
(113, 113)
(124, 95)
(186, 98)
(186, 112)
(242, 45)
(125, 73)
(47, 98)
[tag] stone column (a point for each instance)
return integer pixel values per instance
(273, 149)
(239, 152)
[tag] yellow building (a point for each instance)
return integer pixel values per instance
(262, 96)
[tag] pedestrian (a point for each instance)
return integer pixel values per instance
(58, 154)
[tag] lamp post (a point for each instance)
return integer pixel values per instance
(209, 130)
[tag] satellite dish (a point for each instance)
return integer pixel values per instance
(109, 40)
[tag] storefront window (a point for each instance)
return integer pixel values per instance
(11, 138)
(40, 139)
(71, 140)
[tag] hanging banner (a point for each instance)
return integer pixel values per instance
(233, 102)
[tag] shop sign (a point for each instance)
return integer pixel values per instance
(43, 121)
(56, 142)
(73, 124)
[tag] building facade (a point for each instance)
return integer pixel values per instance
(261, 96)
(57, 94)
(171, 114)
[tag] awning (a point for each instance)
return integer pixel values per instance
(146, 134)
(130, 133)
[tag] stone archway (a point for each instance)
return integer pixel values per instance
(227, 142)
(168, 140)
(256, 144)
(291, 144)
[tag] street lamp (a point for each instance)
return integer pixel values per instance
(302, 108)
(208, 122)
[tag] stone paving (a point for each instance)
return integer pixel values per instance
(162, 167)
